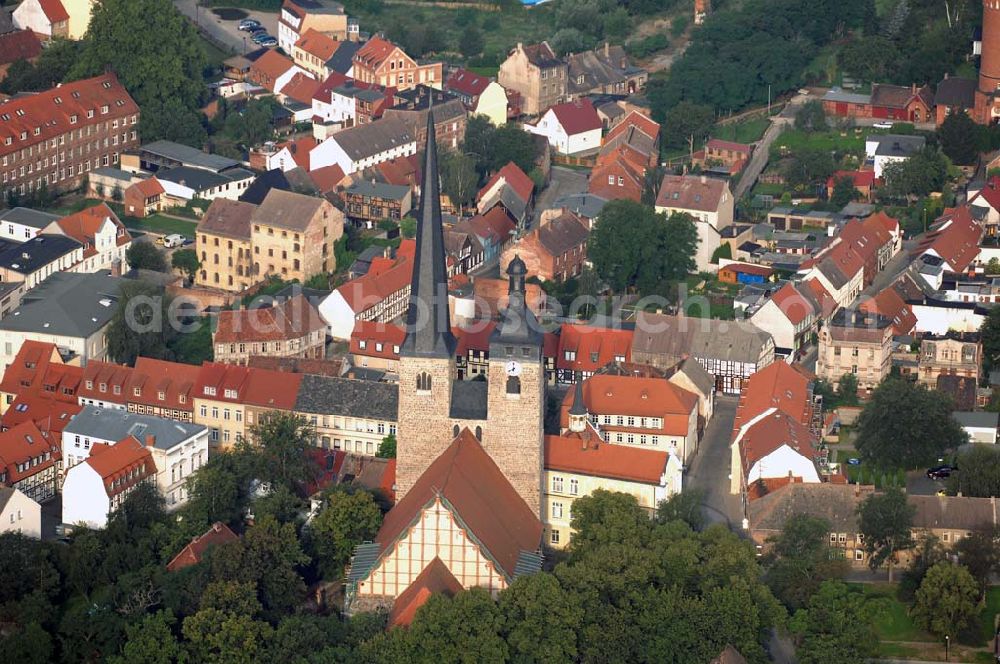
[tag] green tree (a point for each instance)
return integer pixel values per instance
(919, 175)
(151, 641)
(690, 124)
(808, 166)
(57, 58)
(141, 324)
(459, 179)
(801, 559)
(959, 136)
(387, 448)
(980, 473)
(927, 553)
(217, 636)
(471, 43)
(283, 440)
(163, 75)
(885, 520)
(835, 627)
(604, 517)
(145, 256)
(724, 250)
(847, 390)
(843, 192)
(346, 520)
(632, 246)
(407, 228)
(685, 506)
(30, 644)
(979, 554)
(811, 117)
(946, 600)
(540, 620)
(512, 144)
(186, 260)
(989, 334)
(905, 424)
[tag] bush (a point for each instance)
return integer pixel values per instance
(646, 46)
(679, 25)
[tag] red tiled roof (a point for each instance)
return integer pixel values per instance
(989, 194)
(266, 69)
(294, 318)
(175, 380)
(595, 347)
(192, 554)
(116, 461)
(20, 445)
(495, 226)
(888, 303)
(642, 122)
(34, 373)
(599, 459)
(955, 237)
(435, 578)
(778, 385)
(618, 163)
(467, 82)
(326, 467)
(474, 337)
(221, 382)
(608, 394)
(272, 389)
(827, 302)
(514, 178)
(316, 43)
(690, 192)
(374, 52)
(327, 178)
(299, 365)
(300, 147)
(54, 10)
(577, 117)
(149, 187)
(769, 434)
(50, 416)
(859, 178)
(84, 225)
(403, 171)
(469, 480)
(793, 304)
(718, 144)
(53, 118)
(377, 285)
(110, 375)
(373, 332)
(19, 45)
(301, 88)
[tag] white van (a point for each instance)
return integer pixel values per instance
(174, 240)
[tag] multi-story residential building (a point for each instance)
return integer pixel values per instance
(341, 102)
(292, 328)
(376, 345)
(222, 241)
(363, 146)
(19, 514)
(29, 462)
(790, 316)
(481, 95)
(20, 224)
(292, 236)
(708, 202)
(35, 260)
(856, 343)
(380, 295)
(54, 138)
(71, 310)
(536, 74)
(368, 202)
(94, 489)
(105, 385)
(297, 17)
(603, 71)
(583, 350)
(102, 234)
(382, 62)
(350, 415)
(555, 251)
(647, 412)
(571, 127)
(162, 388)
(732, 351)
(39, 369)
(177, 449)
(952, 353)
(312, 50)
(412, 107)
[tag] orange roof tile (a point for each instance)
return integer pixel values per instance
(592, 347)
(105, 381)
(372, 334)
(317, 43)
(272, 389)
(149, 187)
(514, 178)
(50, 416)
(301, 88)
(433, 579)
(326, 179)
(607, 394)
(644, 123)
(266, 69)
(599, 459)
(793, 304)
(192, 554)
(84, 225)
(954, 237)
(779, 385)
(368, 290)
(294, 318)
(20, 445)
(54, 10)
(116, 462)
(374, 52)
(888, 303)
(176, 381)
(769, 434)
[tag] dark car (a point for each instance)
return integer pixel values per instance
(940, 472)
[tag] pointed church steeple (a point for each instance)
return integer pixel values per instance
(428, 325)
(578, 411)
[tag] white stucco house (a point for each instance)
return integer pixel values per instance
(772, 446)
(891, 148)
(571, 128)
(362, 146)
(709, 203)
(94, 489)
(980, 425)
(19, 514)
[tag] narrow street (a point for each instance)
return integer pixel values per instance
(709, 471)
(226, 32)
(564, 181)
(758, 162)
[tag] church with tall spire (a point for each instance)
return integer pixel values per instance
(505, 413)
(469, 454)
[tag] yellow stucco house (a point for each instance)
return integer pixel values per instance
(481, 95)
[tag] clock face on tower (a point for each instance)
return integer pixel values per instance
(513, 368)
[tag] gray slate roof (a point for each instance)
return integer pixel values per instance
(287, 209)
(677, 336)
(953, 512)
(189, 156)
(67, 303)
(898, 145)
(393, 192)
(28, 217)
(586, 205)
(6, 492)
(836, 94)
(372, 138)
(468, 400)
(343, 58)
(837, 503)
(30, 256)
(977, 419)
(696, 373)
(200, 179)
(343, 396)
(114, 424)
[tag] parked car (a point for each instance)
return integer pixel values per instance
(248, 24)
(883, 125)
(269, 42)
(174, 240)
(940, 472)
(260, 37)
(854, 461)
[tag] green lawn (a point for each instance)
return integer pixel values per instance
(747, 131)
(794, 140)
(156, 223)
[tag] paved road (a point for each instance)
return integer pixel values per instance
(709, 471)
(227, 32)
(781, 649)
(887, 276)
(564, 181)
(761, 151)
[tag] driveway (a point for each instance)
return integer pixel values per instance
(709, 471)
(564, 181)
(227, 32)
(918, 484)
(762, 149)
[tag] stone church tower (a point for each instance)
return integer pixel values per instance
(506, 412)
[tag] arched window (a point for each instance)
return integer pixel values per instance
(479, 434)
(423, 382)
(454, 431)
(513, 385)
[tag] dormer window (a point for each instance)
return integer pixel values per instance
(90, 384)
(73, 118)
(210, 391)
(137, 391)
(161, 395)
(103, 387)
(230, 394)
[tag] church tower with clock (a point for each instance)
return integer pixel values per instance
(506, 412)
